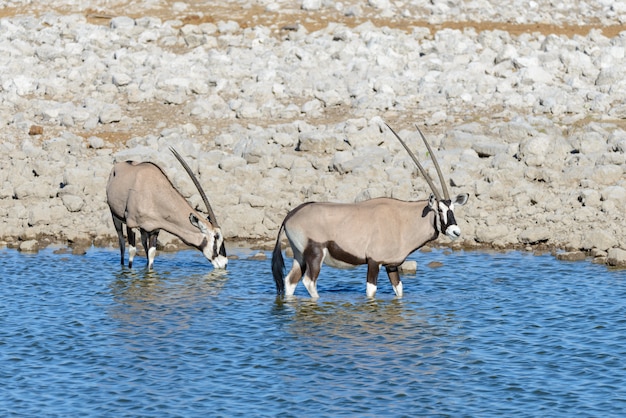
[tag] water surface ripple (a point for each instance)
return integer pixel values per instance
(486, 334)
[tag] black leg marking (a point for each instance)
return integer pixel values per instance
(393, 274)
(120, 236)
(313, 256)
(131, 243)
(372, 272)
(394, 278)
(372, 278)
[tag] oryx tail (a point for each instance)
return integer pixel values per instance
(278, 264)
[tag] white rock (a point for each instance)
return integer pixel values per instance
(311, 5)
(599, 239)
(616, 257)
(607, 174)
(616, 194)
(72, 203)
(110, 113)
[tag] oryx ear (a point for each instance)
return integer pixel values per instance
(461, 199)
(196, 222)
(432, 202)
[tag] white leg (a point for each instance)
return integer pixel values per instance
(132, 250)
(370, 290)
(311, 286)
(151, 255)
(290, 289)
(398, 289)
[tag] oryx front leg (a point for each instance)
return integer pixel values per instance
(394, 278)
(372, 278)
(149, 241)
(132, 248)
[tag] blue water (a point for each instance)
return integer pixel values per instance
(486, 334)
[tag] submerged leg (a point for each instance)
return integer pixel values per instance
(149, 242)
(394, 278)
(372, 278)
(120, 236)
(132, 248)
(311, 286)
(144, 241)
(292, 278)
(152, 243)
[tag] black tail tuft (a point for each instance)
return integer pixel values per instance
(278, 265)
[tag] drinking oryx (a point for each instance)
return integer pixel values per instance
(141, 196)
(382, 231)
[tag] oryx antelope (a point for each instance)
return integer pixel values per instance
(141, 196)
(376, 232)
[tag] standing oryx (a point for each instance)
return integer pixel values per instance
(141, 196)
(375, 232)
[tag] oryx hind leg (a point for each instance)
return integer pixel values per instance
(313, 259)
(119, 228)
(292, 278)
(149, 242)
(394, 278)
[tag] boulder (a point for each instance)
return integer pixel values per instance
(29, 246)
(616, 257)
(571, 256)
(599, 239)
(534, 235)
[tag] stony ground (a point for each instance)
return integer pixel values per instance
(285, 16)
(282, 17)
(525, 101)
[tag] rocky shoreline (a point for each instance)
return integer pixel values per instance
(280, 103)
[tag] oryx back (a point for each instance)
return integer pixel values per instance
(140, 193)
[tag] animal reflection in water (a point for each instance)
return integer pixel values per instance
(147, 299)
(376, 232)
(141, 196)
(372, 332)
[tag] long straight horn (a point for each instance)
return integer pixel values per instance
(417, 163)
(432, 156)
(212, 217)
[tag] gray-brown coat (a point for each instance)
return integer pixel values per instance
(376, 232)
(141, 196)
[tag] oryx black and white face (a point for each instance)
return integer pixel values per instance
(212, 245)
(444, 214)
